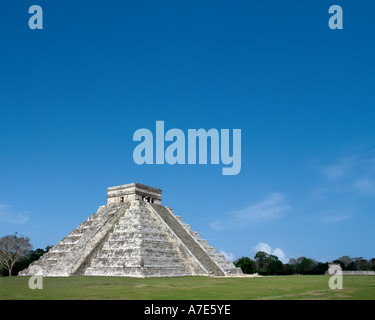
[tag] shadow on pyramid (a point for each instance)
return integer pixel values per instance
(134, 235)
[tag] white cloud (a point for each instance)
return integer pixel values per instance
(339, 169)
(334, 218)
(365, 186)
(267, 210)
(349, 176)
(327, 216)
(354, 172)
(261, 246)
(318, 194)
(228, 255)
(11, 217)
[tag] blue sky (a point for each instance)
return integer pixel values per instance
(73, 94)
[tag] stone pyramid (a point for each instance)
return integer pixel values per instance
(134, 235)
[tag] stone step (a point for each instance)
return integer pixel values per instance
(113, 271)
(70, 239)
(85, 225)
(137, 271)
(141, 230)
(92, 217)
(147, 249)
(56, 255)
(77, 232)
(135, 260)
(64, 247)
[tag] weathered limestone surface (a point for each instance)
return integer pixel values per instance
(141, 246)
(133, 236)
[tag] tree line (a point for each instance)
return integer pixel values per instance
(268, 264)
(16, 254)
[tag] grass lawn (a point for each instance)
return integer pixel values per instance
(190, 288)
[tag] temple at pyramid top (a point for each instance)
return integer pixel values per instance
(133, 191)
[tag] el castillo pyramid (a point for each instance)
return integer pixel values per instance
(134, 235)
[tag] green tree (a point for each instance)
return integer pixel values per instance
(274, 265)
(246, 264)
(29, 257)
(305, 265)
(267, 263)
(372, 264)
(12, 250)
(261, 261)
(344, 261)
(291, 266)
(321, 268)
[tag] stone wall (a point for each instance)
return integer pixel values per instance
(133, 191)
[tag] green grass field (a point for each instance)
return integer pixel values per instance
(191, 288)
